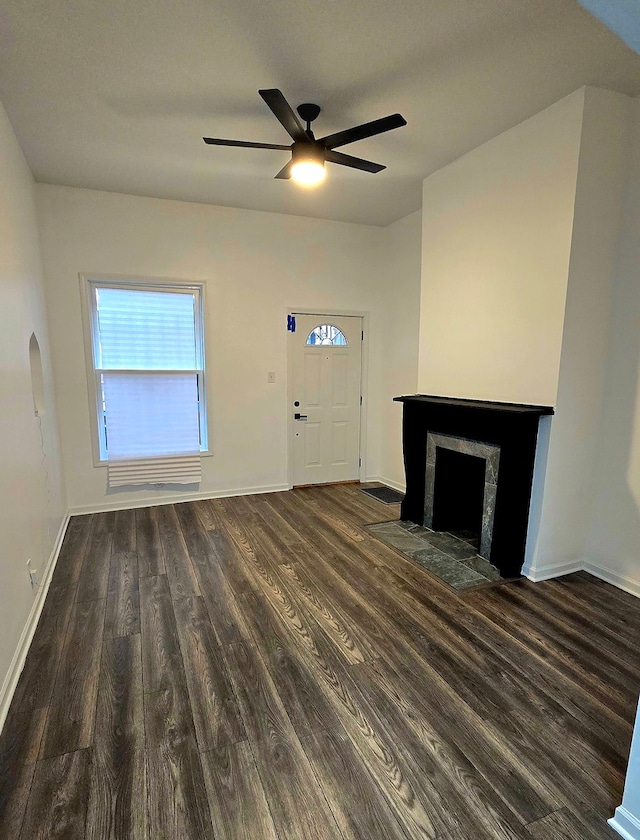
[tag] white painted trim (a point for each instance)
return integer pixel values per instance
(401, 488)
(26, 637)
(175, 498)
(625, 823)
(538, 573)
(322, 311)
(86, 280)
(620, 581)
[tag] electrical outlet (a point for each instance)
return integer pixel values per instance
(33, 574)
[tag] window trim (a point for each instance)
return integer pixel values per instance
(88, 284)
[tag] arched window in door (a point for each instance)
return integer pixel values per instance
(327, 334)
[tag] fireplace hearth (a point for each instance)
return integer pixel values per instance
(469, 468)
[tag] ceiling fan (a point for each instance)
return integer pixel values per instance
(308, 155)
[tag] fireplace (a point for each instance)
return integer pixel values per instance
(469, 470)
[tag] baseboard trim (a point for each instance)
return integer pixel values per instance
(540, 573)
(175, 498)
(401, 488)
(26, 637)
(621, 581)
(625, 823)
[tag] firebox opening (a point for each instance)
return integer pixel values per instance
(458, 499)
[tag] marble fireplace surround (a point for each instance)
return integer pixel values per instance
(509, 432)
(490, 453)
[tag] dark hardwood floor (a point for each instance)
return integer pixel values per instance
(261, 668)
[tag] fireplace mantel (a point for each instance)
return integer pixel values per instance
(511, 427)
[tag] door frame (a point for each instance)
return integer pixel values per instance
(321, 311)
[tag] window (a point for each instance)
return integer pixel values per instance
(326, 334)
(147, 349)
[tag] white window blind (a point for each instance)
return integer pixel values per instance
(148, 361)
(151, 414)
(146, 330)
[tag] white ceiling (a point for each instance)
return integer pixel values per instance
(117, 94)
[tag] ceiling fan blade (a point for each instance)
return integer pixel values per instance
(282, 111)
(360, 132)
(285, 172)
(213, 141)
(353, 162)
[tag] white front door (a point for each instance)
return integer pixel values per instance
(326, 364)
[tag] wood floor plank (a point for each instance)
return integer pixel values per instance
(178, 807)
(118, 778)
(498, 796)
(123, 598)
(14, 796)
(180, 572)
(298, 807)
(72, 709)
(162, 664)
(521, 778)
(563, 825)
(230, 559)
(21, 736)
(306, 706)
(511, 763)
(57, 805)
(37, 680)
(214, 707)
(239, 809)
(94, 580)
(519, 627)
(584, 616)
(375, 702)
(348, 637)
(347, 501)
(614, 601)
(202, 509)
(359, 807)
(330, 543)
(124, 532)
(294, 601)
(592, 654)
(409, 791)
(148, 547)
(71, 556)
(204, 549)
(518, 716)
(517, 664)
(19, 747)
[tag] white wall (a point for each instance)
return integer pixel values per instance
(395, 355)
(571, 476)
(31, 490)
(614, 538)
(255, 266)
(495, 257)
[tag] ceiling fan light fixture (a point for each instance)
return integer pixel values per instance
(308, 165)
(308, 173)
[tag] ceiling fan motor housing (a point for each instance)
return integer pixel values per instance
(311, 151)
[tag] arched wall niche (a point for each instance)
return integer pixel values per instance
(37, 376)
